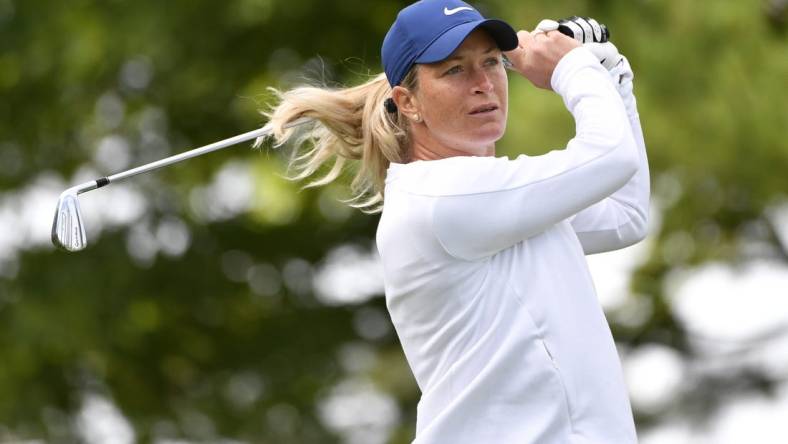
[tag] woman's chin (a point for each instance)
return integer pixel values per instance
(486, 135)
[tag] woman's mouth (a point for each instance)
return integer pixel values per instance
(483, 109)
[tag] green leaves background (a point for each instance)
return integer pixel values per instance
(202, 322)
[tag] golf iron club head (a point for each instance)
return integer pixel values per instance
(68, 231)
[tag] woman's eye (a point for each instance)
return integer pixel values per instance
(492, 61)
(454, 69)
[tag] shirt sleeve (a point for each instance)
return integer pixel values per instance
(620, 219)
(525, 196)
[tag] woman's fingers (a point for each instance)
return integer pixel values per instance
(547, 25)
(517, 55)
(525, 38)
(538, 53)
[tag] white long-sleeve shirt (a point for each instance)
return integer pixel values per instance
(487, 283)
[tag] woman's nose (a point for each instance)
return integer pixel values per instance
(482, 83)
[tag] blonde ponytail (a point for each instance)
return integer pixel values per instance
(351, 124)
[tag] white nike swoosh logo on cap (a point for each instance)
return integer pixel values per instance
(447, 11)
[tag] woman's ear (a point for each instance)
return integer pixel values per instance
(406, 101)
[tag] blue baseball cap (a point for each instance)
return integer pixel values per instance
(429, 31)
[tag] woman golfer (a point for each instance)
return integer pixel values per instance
(483, 257)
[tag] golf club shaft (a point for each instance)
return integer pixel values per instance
(264, 131)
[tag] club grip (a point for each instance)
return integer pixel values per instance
(580, 29)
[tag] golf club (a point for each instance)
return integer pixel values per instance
(68, 230)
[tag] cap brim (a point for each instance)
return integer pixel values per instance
(503, 34)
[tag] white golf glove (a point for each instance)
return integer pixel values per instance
(606, 53)
(622, 73)
(622, 77)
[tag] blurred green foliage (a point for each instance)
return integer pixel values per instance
(187, 335)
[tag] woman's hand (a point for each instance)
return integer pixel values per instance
(538, 54)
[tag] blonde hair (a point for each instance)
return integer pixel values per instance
(351, 124)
